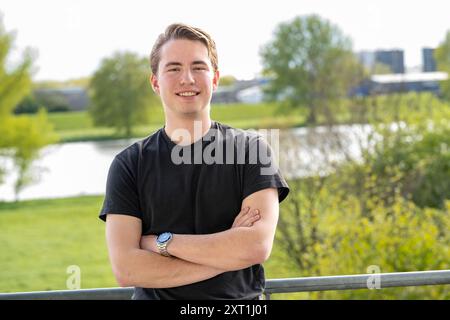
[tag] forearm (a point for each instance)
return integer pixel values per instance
(244, 245)
(248, 242)
(233, 249)
(141, 268)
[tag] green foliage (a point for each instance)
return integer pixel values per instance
(14, 82)
(226, 81)
(310, 63)
(326, 231)
(442, 56)
(381, 68)
(413, 155)
(79, 82)
(21, 137)
(27, 105)
(300, 223)
(120, 92)
(398, 237)
(53, 101)
(389, 209)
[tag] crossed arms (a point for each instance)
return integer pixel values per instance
(136, 262)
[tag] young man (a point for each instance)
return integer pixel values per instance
(191, 218)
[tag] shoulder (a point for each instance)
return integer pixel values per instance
(135, 151)
(249, 136)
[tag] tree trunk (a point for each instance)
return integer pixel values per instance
(312, 117)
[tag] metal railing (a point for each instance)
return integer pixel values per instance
(347, 282)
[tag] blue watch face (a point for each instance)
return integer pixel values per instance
(163, 237)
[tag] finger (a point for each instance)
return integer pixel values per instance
(249, 214)
(250, 219)
(241, 214)
(249, 222)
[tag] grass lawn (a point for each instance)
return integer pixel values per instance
(40, 239)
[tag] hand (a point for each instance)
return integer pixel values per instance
(149, 243)
(246, 218)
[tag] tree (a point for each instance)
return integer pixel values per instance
(442, 56)
(227, 81)
(15, 82)
(51, 100)
(53, 84)
(120, 92)
(27, 105)
(21, 137)
(380, 68)
(27, 135)
(310, 63)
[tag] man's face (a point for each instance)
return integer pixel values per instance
(185, 79)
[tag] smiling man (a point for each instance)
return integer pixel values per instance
(202, 228)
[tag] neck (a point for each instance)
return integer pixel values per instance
(194, 125)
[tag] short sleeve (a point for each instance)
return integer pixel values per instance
(121, 190)
(261, 171)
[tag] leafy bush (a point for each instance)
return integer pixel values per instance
(333, 233)
(390, 209)
(27, 105)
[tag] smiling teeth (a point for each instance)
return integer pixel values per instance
(187, 94)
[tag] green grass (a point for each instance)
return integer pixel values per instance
(41, 238)
(63, 121)
(78, 126)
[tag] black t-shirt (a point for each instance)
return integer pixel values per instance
(181, 190)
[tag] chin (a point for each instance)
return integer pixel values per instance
(191, 110)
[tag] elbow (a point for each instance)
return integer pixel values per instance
(252, 255)
(260, 253)
(122, 275)
(123, 281)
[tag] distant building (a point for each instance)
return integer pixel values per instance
(418, 82)
(251, 91)
(394, 59)
(428, 62)
(367, 59)
(244, 91)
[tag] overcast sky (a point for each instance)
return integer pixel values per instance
(72, 37)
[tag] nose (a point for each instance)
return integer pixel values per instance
(187, 77)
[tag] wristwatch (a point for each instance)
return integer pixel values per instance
(162, 241)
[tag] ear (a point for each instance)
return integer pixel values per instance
(154, 83)
(216, 80)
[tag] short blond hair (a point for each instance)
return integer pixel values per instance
(183, 31)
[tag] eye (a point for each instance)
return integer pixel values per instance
(199, 68)
(173, 70)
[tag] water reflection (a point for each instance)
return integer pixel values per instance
(317, 151)
(67, 169)
(74, 169)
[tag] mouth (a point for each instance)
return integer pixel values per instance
(188, 93)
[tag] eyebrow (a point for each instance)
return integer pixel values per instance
(169, 64)
(200, 62)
